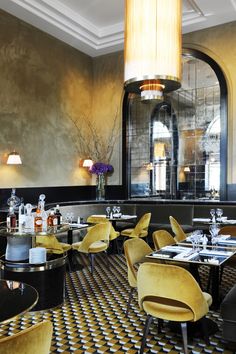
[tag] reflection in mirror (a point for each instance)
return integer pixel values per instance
(180, 138)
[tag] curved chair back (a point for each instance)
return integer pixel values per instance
(99, 219)
(162, 238)
(99, 232)
(142, 225)
(49, 242)
(177, 230)
(228, 230)
(33, 340)
(158, 283)
(135, 249)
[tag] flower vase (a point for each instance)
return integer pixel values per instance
(100, 188)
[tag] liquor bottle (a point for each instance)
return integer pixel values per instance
(41, 206)
(21, 218)
(29, 218)
(38, 221)
(11, 219)
(58, 215)
(52, 219)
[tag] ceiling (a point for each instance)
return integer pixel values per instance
(96, 26)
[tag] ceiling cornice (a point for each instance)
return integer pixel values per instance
(62, 22)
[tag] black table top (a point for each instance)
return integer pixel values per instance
(16, 298)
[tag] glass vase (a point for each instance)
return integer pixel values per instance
(100, 187)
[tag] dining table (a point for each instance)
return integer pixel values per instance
(211, 256)
(16, 298)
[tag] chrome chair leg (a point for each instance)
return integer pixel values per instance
(185, 336)
(145, 333)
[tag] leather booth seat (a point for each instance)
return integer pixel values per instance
(228, 313)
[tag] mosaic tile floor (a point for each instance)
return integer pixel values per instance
(92, 319)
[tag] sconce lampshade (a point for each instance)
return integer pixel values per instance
(87, 162)
(14, 159)
(186, 169)
(153, 47)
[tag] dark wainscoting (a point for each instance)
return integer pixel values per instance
(61, 194)
(231, 192)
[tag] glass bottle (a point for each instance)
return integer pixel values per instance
(52, 219)
(38, 221)
(41, 206)
(21, 217)
(58, 215)
(11, 219)
(29, 218)
(13, 201)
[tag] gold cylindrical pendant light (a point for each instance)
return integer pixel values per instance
(153, 46)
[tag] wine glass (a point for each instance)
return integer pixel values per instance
(114, 210)
(213, 217)
(219, 213)
(118, 210)
(108, 210)
(214, 231)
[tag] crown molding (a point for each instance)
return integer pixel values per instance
(59, 20)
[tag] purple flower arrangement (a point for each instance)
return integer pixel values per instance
(100, 168)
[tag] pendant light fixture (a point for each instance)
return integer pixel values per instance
(153, 46)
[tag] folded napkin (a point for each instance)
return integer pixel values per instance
(189, 238)
(215, 253)
(77, 225)
(227, 242)
(212, 261)
(224, 237)
(230, 221)
(177, 249)
(128, 216)
(158, 255)
(186, 256)
(117, 215)
(99, 216)
(202, 219)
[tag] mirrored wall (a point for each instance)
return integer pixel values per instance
(176, 147)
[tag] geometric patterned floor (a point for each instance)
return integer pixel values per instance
(92, 318)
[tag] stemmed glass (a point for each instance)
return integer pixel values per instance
(213, 215)
(219, 213)
(118, 210)
(114, 210)
(214, 230)
(108, 210)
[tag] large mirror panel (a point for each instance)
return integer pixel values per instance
(175, 147)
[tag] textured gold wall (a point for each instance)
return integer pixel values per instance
(46, 108)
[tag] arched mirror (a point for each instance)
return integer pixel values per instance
(177, 147)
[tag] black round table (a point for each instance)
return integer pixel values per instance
(16, 298)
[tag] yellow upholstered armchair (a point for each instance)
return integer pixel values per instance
(51, 244)
(95, 241)
(162, 238)
(135, 249)
(170, 293)
(180, 235)
(33, 340)
(141, 228)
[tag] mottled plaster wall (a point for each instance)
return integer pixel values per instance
(219, 43)
(46, 108)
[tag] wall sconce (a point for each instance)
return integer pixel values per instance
(153, 47)
(87, 162)
(186, 169)
(149, 166)
(14, 159)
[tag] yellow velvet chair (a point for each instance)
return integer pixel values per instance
(170, 293)
(162, 238)
(135, 249)
(180, 235)
(51, 244)
(33, 340)
(141, 228)
(228, 230)
(113, 233)
(95, 241)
